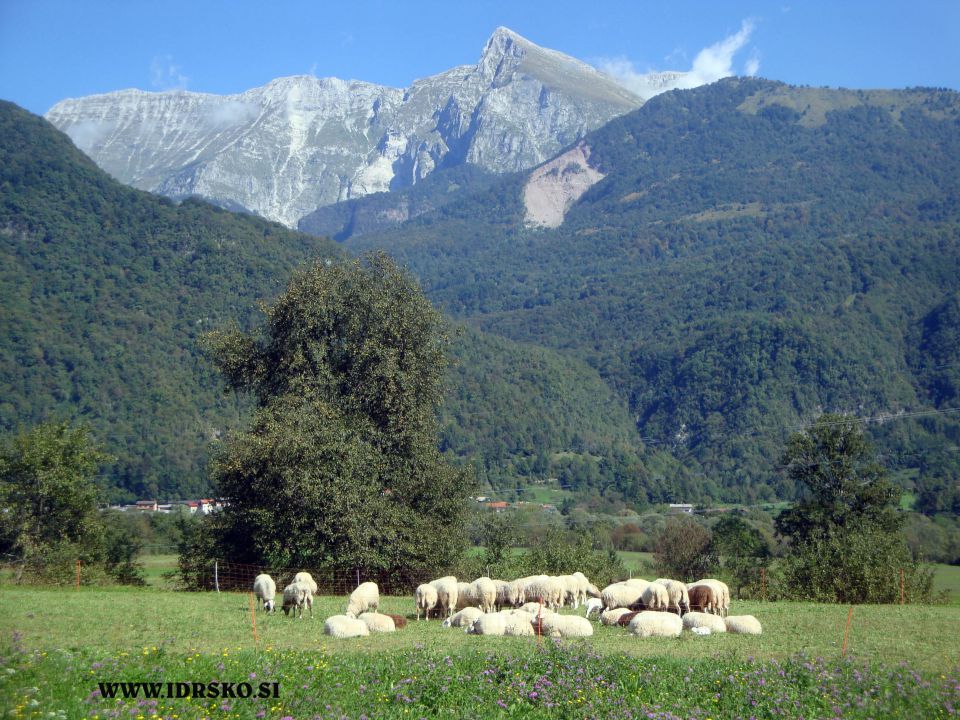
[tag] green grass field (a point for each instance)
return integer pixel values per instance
(56, 645)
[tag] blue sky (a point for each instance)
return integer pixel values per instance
(54, 49)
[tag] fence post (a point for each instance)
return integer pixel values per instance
(763, 584)
(358, 577)
(216, 576)
(78, 575)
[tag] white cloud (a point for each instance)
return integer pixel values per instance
(752, 66)
(711, 64)
(233, 112)
(166, 75)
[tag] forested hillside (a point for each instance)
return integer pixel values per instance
(756, 254)
(106, 294)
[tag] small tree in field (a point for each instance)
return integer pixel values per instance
(846, 537)
(339, 468)
(742, 552)
(684, 551)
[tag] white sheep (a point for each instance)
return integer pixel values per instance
(365, 597)
(721, 594)
(743, 624)
(655, 597)
(426, 599)
(464, 618)
(446, 594)
(378, 622)
(651, 623)
(296, 596)
(483, 594)
(620, 595)
(508, 594)
(694, 620)
(556, 625)
(679, 598)
(610, 617)
(594, 606)
(463, 596)
(488, 624)
(265, 590)
(535, 608)
(341, 626)
(305, 578)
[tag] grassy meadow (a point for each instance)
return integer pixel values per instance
(56, 645)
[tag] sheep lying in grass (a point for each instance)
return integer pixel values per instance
(743, 624)
(488, 624)
(341, 626)
(378, 622)
(610, 617)
(265, 590)
(365, 598)
(556, 625)
(426, 599)
(296, 596)
(463, 618)
(651, 623)
(627, 618)
(399, 621)
(694, 620)
(535, 608)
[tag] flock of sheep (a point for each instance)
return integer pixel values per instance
(530, 606)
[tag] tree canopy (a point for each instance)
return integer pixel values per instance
(339, 467)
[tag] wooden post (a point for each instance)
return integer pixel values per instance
(763, 583)
(903, 597)
(216, 576)
(846, 633)
(78, 576)
(253, 616)
(358, 577)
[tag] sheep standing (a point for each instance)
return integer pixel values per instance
(743, 624)
(365, 597)
(703, 598)
(483, 594)
(594, 606)
(341, 626)
(620, 595)
(296, 596)
(446, 594)
(654, 597)
(265, 590)
(305, 578)
(508, 593)
(679, 598)
(650, 623)
(426, 599)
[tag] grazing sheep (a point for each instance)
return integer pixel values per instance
(463, 596)
(594, 606)
(483, 593)
(654, 597)
(610, 617)
(625, 619)
(714, 624)
(399, 621)
(508, 594)
(295, 597)
(620, 595)
(265, 590)
(519, 625)
(305, 578)
(426, 599)
(341, 626)
(556, 625)
(464, 618)
(583, 588)
(535, 608)
(488, 624)
(378, 622)
(545, 589)
(593, 591)
(650, 623)
(365, 597)
(743, 624)
(703, 598)
(446, 594)
(679, 598)
(721, 595)
(569, 590)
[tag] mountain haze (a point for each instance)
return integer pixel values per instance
(299, 143)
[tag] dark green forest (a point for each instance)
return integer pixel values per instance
(108, 291)
(757, 254)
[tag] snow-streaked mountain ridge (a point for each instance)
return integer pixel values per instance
(301, 142)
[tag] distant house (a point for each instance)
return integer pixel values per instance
(147, 505)
(499, 505)
(681, 508)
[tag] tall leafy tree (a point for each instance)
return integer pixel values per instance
(847, 543)
(339, 467)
